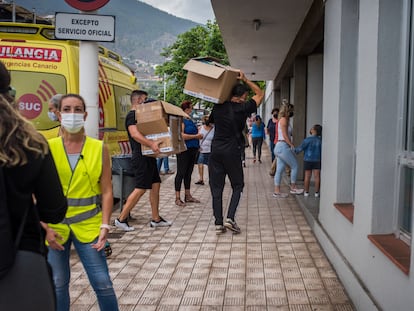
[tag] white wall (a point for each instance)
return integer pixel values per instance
(361, 92)
(314, 91)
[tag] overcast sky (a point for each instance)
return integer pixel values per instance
(196, 10)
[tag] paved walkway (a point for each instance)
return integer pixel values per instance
(274, 264)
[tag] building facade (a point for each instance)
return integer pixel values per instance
(348, 65)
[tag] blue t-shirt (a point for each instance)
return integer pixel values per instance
(258, 130)
(191, 128)
(312, 148)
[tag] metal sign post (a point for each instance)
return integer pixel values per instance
(88, 84)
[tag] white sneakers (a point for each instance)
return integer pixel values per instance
(123, 225)
(280, 195)
(306, 194)
(160, 223)
(296, 191)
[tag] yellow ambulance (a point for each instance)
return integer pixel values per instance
(42, 66)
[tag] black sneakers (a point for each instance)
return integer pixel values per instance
(220, 229)
(231, 225)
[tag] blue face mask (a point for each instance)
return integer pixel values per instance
(52, 116)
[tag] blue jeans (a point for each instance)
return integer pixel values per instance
(96, 268)
(166, 164)
(285, 156)
(272, 149)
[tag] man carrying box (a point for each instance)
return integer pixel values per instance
(145, 170)
(228, 143)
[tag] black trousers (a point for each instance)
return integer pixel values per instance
(185, 166)
(257, 143)
(220, 165)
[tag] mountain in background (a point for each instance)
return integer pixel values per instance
(141, 31)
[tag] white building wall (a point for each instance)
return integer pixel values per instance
(314, 91)
(363, 92)
(368, 108)
(268, 102)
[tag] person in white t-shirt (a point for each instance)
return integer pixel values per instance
(207, 130)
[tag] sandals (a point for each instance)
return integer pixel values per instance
(190, 199)
(179, 202)
(200, 182)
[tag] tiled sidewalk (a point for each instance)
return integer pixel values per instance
(274, 264)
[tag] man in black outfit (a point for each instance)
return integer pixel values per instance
(145, 169)
(228, 143)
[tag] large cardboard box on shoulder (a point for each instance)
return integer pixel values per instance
(209, 80)
(161, 121)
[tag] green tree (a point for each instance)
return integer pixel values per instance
(199, 41)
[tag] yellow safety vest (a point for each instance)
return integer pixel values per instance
(82, 189)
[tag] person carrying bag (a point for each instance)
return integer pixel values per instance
(30, 192)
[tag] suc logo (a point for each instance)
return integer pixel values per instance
(30, 106)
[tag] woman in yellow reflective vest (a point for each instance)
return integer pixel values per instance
(84, 170)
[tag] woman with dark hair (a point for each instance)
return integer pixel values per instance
(186, 159)
(258, 135)
(34, 194)
(84, 169)
(271, 131)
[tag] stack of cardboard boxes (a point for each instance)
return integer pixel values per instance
(208, 80)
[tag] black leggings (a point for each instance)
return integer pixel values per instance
(185, 166)
(257, 144)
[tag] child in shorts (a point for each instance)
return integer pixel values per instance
(312, 148)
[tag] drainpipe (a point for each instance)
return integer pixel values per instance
(13, 11)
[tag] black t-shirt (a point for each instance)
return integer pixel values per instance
(229, 121)
(271, 127)
(136, 146)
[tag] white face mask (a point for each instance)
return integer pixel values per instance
(52, 116)
(73, 122)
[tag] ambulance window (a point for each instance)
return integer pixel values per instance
(122, 106)
(101, 50)
(113, 56)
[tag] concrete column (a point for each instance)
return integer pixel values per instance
(339, 102)
(299, 99)
(285, 89)
(276, 99)
(88, 85)
(314, 91)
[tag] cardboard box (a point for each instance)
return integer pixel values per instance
(209, 80)
(152, 118)
(161, 121)
(171, 141)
